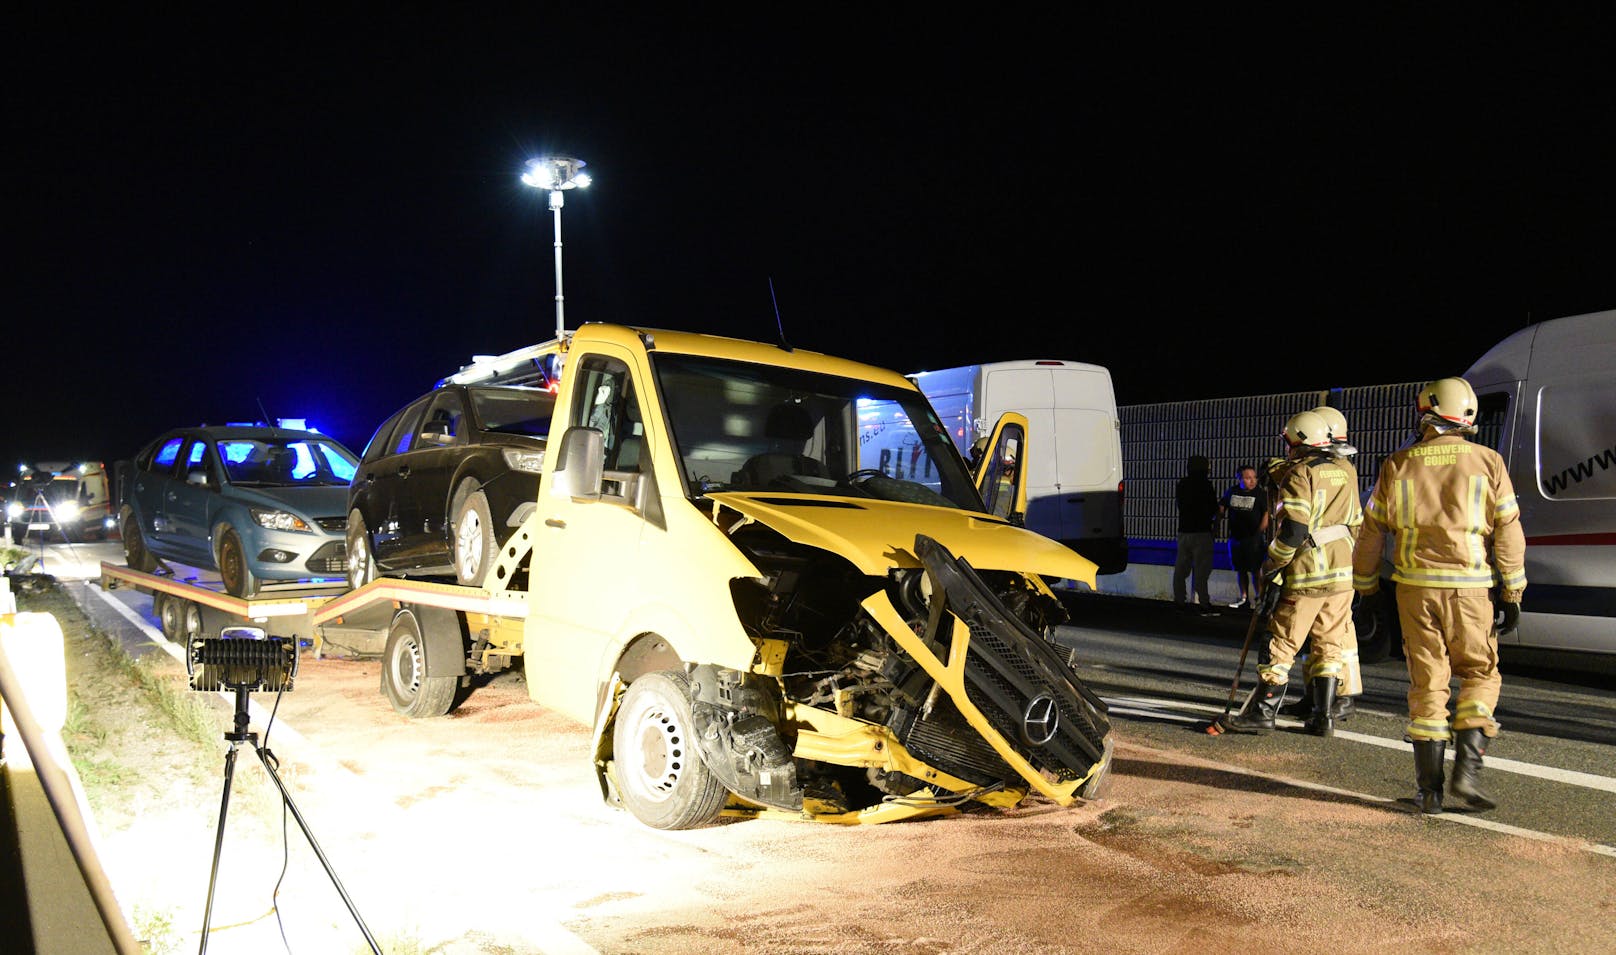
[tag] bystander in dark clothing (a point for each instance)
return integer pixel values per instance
(1245, 506)
(1197, 518)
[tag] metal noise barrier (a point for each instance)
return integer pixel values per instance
(238, 664)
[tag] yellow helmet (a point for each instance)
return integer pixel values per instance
(1307, 428)
(1336, 421)
(1450, 399)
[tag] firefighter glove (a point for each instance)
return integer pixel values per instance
(1511, 617)
(1272, 588)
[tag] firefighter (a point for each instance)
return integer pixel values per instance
(1450, 510)
(1351, 674)
(1307, 578)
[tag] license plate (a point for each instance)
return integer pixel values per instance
(39, 527)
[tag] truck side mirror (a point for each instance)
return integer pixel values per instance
(579, 464)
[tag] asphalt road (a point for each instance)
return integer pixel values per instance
(1166, 673)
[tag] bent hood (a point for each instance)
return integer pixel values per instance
(879, 535)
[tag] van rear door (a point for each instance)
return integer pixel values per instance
(1075, 465)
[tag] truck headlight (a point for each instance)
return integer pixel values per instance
(519, 459)
(278, 520)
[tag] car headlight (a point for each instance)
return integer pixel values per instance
(519, 459)
(278, 520)
(14, 510)
(67, 511)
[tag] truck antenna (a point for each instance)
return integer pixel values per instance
(777, 322)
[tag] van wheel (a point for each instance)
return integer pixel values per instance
(404, 679)
(238, 577)
(664, 782)
(1378, 633)
(361, 565)
(135, 553)
(473, 539)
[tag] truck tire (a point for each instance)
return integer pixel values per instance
(662, 778)
(135, 553)
(404, 679)
(171, 614)
(473, 538)
(233, 570)
(190, 623)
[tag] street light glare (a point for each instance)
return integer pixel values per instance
(555, 172)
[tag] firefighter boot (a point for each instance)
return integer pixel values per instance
(1302, 709)
(1257, 715)
(1321, 690)
(1342, 709)
(1469, 746)
(1428, 755)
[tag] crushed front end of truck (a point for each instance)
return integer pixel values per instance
(874, 700)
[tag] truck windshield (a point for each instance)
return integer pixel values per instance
(747, 427)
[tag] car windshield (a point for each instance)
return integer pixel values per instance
(514, 410)
(286, 462)
(746, 427)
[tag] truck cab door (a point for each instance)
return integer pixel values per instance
(1000, 478)
(597, 497)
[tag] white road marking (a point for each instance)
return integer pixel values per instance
(1163, 709)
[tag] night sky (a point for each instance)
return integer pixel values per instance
(211, 213)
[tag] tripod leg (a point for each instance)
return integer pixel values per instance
(218, 843)
(268, 759)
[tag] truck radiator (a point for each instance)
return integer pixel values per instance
(943, 739)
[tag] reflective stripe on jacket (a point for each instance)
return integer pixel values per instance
(1320, 491)
(1447, 503)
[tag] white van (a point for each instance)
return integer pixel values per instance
(1074, 471)
(1547, 399)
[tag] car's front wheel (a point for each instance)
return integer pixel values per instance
(473, 539)
(663, 781)
(361, 565)
(238, 578)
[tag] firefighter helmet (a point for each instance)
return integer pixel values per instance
(1336, 421)
(1307, 429)
(1450, 399)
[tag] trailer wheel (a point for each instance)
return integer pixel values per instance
(191, 623)
(664, 782)
(237, 576)
(171, 614)
(404, 679)
(473, 539)
(135, 553)
(361, 565)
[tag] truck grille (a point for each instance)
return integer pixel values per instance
(1008, 667)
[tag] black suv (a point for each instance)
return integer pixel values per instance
(444, 482)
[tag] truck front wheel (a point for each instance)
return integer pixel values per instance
(664, 783)
(404, 679)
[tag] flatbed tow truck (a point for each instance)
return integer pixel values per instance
(421, 628)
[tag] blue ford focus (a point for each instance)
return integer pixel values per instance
(257, 504)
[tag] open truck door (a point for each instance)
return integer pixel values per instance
(999, 476)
